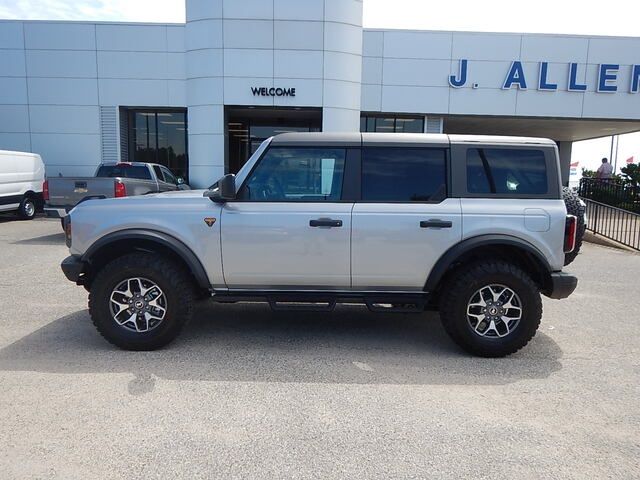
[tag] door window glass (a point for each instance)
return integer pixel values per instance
(158, 173)
(403, 174)
(288, 174)
(169, 177)
(506, 171)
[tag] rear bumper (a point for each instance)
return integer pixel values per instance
(73, 268)
(562, 285)
(55, 212)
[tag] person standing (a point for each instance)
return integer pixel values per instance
(605, 170)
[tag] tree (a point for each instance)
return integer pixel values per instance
(631, 174)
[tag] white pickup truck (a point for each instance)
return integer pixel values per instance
(473, 226)
(112, 180)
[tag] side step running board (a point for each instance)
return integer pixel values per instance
(388, 302)
(302, 306)
(396, 305)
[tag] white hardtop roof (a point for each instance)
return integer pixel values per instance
(499, 139)
(386, 139)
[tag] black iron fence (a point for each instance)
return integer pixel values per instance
(610, 192)
(614, 223)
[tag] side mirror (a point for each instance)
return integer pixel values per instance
(179, 181)
(223, 190)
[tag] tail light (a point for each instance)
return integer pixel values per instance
(119, 189)
(45, 190)
(570, 230)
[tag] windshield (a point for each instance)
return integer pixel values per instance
(127, 171)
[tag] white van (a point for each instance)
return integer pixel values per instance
(21, 179)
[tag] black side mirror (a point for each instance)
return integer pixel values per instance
(223, 190)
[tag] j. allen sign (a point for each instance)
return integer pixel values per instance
(607, 78)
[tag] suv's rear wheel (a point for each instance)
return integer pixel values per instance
(141, 301)
(491, 308)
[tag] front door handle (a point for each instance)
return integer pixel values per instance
(325, 222)
(435, 223)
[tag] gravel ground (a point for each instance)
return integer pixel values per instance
(246, 393)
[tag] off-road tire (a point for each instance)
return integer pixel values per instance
(460, 288)
(574, 207)
(171, 277)
(27, 208)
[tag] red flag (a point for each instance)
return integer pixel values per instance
(575, 164)
(629, 160)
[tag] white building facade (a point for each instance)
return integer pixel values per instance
(199, 97)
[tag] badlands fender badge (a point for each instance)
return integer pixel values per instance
(210, 221)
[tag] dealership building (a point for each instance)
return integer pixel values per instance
(199, 97)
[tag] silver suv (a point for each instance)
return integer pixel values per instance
(472, 226)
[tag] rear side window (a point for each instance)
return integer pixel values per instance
(397, 174)
(126, 171)
(506, 171)
(158, 173)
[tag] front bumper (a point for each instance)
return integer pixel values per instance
(73, 268)
(562, 285)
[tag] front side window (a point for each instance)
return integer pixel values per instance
(403, 174)
(506, 171)
(169, 177)
(288, 174)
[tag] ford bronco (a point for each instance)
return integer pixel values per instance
(472, 226)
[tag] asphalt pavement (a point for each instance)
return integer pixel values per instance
(247, 393)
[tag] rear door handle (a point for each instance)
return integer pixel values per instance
(435, 223)
(325, 222)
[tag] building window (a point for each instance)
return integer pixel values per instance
(158, 136)
(391, 123)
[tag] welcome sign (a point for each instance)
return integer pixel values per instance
(607, 81)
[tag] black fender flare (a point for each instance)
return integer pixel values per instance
(450, 256)
(160, 238)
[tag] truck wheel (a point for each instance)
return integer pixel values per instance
(574, 207)
(491, 308)
(27, 208)
(141, 301)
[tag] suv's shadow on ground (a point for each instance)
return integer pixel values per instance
(52, 239)
(250, 343)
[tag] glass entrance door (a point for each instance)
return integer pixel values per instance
(248, 127)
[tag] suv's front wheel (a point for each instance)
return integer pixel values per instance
(141, 301)
(491, 308)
